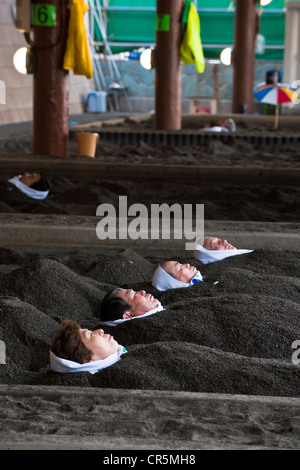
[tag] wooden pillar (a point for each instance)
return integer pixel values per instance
(51, 85)
(168, 65)
(244, 56)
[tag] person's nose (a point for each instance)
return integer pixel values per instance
(99, 332)
(142, 292)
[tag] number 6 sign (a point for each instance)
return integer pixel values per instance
(44, 15)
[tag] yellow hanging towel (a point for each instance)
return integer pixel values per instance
(77, 56)
(191, 47)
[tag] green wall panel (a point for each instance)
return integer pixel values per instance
(217, 28)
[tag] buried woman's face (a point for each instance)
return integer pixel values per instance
(102, 345)
(140, 302)
(214, 243)
(30, 178)
(182, 272)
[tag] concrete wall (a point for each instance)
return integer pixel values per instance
(215, 83)
(15, 88)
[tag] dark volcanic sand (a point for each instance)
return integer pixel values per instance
(255, 200)
(234, 337)
(222, 201)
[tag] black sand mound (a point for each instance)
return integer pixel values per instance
(181, 366)
(232, 337)
(70, 196)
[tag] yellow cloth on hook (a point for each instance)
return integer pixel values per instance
(191, 47)
(77, 55)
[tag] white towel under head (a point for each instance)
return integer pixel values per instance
(30, 192)
(163, 281)
(210, 256)
(59, 364)
(159, 308)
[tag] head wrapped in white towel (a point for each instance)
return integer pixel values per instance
(159, 308)
(30, 192)
(59, 364)
(223, 125)
(207, 256)
(163, 281)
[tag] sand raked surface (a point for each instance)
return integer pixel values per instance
(220, 342)
(252, 197)
(233, 338)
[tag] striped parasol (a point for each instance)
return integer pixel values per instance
(275, 94)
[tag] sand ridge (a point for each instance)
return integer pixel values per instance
(208, 337)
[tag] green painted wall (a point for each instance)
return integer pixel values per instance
(217, 27)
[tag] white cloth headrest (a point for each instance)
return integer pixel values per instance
(59, 364)
(30, 192)
(210, 256)
(163, 281)
(159, 308)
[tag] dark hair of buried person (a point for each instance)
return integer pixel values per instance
(43, 184)
(113, 307)
(68, 344)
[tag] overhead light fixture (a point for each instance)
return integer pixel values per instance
(264, 3)
(23, 60)
(225, 56)
(147, 58)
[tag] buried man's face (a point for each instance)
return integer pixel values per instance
(30, 178)
(102, 345)
(140, 302)
(182, 272)
(213, 243)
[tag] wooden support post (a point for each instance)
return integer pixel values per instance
(244, 56)
(51, 85)
(168, 65)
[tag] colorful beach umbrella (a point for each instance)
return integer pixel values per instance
(275, 94)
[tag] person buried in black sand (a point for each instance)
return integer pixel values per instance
(33, 185)
(121, 305)
(75, 349)
(173, 275)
